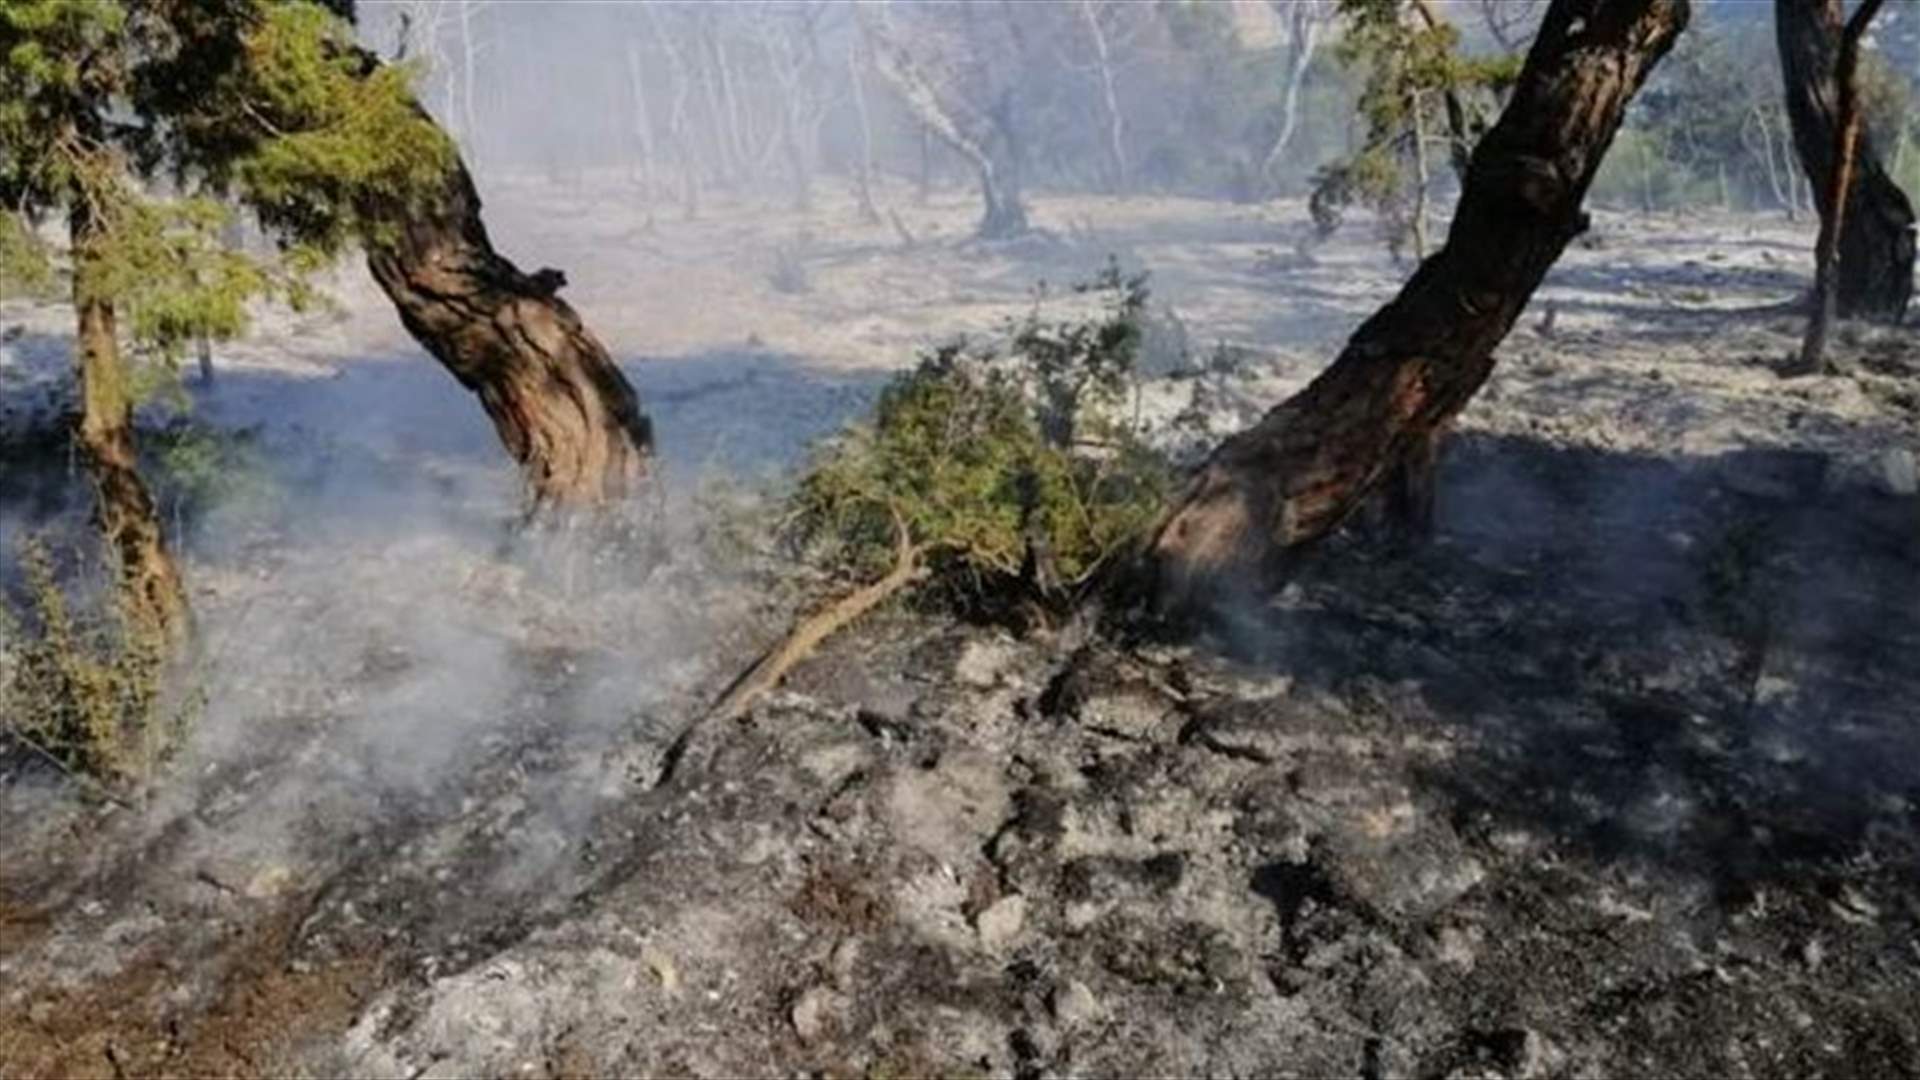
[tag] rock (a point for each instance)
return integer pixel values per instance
(1519, 1053)
(1899, 476)
(844, 962)
(1133, 712)
(1074, 1006)
(269, 882)
(981, 663)
(1415, 871)
(663, 968)
(817, 1013)
(951, 810)
(999, 924)
(1813, 954)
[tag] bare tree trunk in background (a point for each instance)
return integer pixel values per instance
(150, 588)
(561, 407)
(683, 150)
(723, 150)
(923, 191)
(737, 140)
(863, 169)
(1757, 123)
(1421, 179)
(1874, 279)
(470, 60)
(1460, 147)
(1003, 118)
(795, 73)
(642, 118)
(1507, 21)
(1833, 212)
(969, 134)
(1110, 100)
(1305, 23)
(1378, 410)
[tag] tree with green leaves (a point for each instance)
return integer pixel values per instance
(276, 104)
(81, 138)
(1419, 89)
(271, 106)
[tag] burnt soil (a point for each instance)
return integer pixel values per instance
(1617, 775)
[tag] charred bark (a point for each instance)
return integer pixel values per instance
(1414, 364)
(151, 591)
(1833, 214)
(561, 407)
(1874, 277)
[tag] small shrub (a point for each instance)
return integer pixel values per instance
(1008, 479)
(200, 468)
(84, 688)
(1017, 472)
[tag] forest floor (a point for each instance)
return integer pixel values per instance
(1619, 775)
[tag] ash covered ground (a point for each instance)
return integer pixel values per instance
(1617, 776)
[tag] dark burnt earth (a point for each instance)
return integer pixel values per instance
(1618, 776)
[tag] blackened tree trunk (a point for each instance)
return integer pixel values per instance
(151, 592)
(561, 407)
(1874, 279)
(1375, 415)
(1833, 215)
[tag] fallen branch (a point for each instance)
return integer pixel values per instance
(806, 636)
(773, 665)
(93, 786)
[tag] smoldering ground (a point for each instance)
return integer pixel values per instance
(1615, 777)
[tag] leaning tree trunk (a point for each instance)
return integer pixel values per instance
(150, 586)
(1375, 415)
(1833, 215)
(1876, 247)
(564, 411)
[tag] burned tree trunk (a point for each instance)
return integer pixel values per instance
(564, 411)
(1833, 213)
(154, 599)
(1376, 411)
(1874, 278)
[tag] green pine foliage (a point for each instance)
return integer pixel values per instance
(311, 132)
(26, 267)
(1408, 67)
(264, 103)
(994, 463)
(144, 127)
(83, 686)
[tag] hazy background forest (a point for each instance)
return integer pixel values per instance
(1200, 93)
(928, 312)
